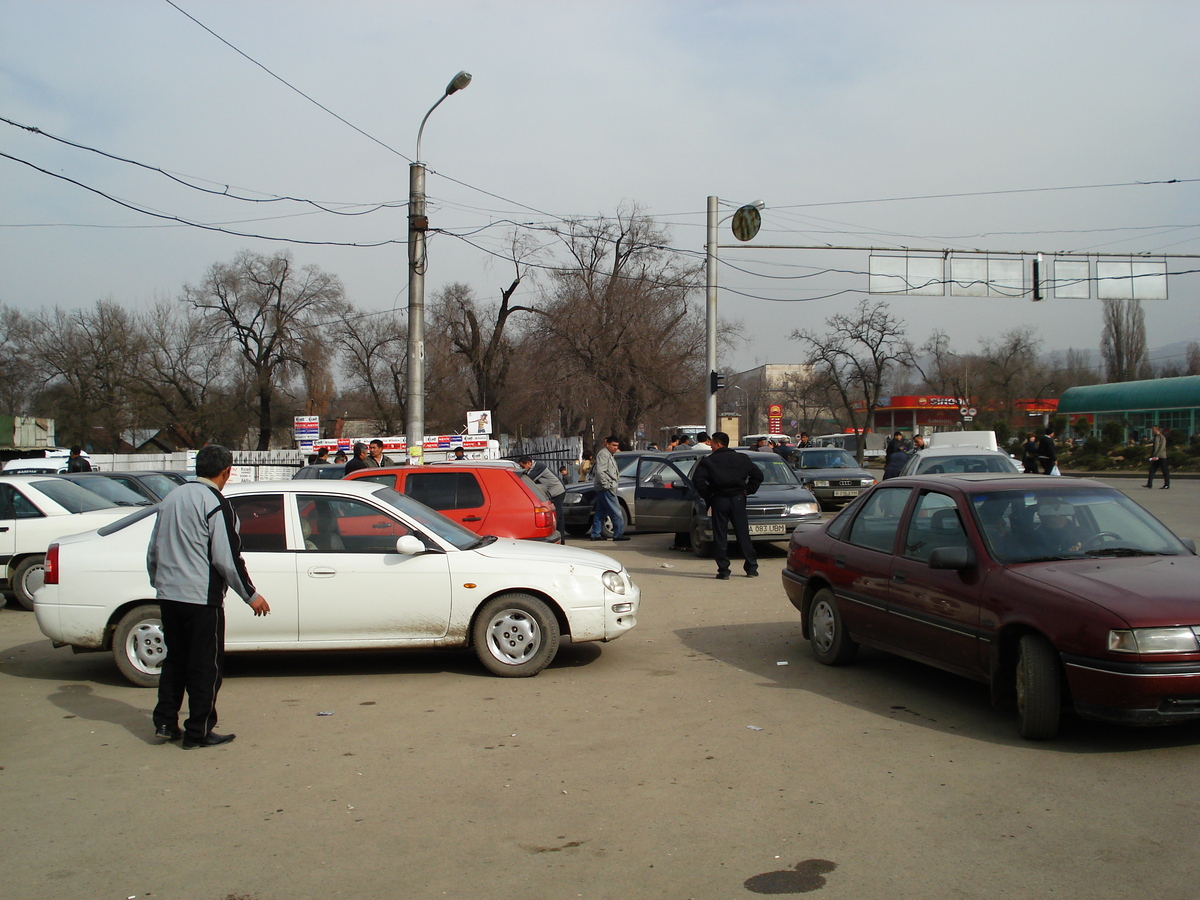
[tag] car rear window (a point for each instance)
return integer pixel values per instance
(72, 497)
(445, 490)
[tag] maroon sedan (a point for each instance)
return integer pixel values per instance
(1054, 591)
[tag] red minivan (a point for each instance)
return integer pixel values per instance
(486, 499)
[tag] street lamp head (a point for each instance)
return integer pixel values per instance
(460, 81)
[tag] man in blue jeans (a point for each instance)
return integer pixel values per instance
(606, 476)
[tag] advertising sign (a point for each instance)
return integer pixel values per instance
(479, 421)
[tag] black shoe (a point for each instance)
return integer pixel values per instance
(1165, 487)
(753, 574)
(597, 538)
(722, 576)
(621, 538)
(212, 739)
(1148, 486)
(168, 732)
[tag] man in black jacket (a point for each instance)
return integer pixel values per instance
(1047, 453)
(724, 479)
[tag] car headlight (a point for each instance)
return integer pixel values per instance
(613, 581)
(572, 497)
(868, 482)
(803, 509)
(1183, 639)
(820, 484)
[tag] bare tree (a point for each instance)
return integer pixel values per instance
(1012, 371)
(1123, 341)
(856, 356)
(373, 352)
(265, 305)
(18, 377)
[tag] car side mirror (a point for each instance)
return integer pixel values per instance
(1189, 543)
(409, 545)
(957, 558)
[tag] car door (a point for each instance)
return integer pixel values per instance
(860, 566)
(456, 494)
(354, 588)
(935, 612)
(9, 498)
(272, 567)
(663, 497)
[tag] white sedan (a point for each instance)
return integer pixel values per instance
(346, 565)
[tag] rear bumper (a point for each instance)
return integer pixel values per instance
(1134, 693)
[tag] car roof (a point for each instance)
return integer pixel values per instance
(306, 486)
(30, 478)
(977, 481)
(960, 450)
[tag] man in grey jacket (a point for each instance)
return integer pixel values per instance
(606, 476)
(548, 485)
(1159, 459)
(195, 554)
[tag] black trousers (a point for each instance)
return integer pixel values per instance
(1166, 470)
(195, 639)
(727, 511)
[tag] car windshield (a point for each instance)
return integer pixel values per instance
(1056, 522)
(826, 459)
(775, 471)
(72, 497)
(430, 520)
(966, 464)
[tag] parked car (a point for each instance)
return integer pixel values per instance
(959, 460)
(322, 471)
(657, 496)
(833, 475)
(151, 484)
(1056, 593)
(487, 499)
(38, 509)
(346, 565)
(118, 493)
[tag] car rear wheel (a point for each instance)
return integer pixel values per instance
(515, 635)
(1039, 688)
(700, 546)
(29, 576)
(827, 633)
(138, 645)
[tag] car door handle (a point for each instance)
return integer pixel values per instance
(898, 577)
(321, 572)
(840, 562)
(3, 528)
(472, 518)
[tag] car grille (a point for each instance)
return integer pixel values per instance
(846, 482)
(766, 510)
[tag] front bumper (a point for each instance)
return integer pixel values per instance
(836, 496)
(762, 528)
(1134, 693)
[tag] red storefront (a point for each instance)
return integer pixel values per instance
(919, 412)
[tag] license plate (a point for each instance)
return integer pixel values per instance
(845, 493)
(768, 529)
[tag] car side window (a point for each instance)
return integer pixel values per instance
(835, 528)
(261, 522)
(658, 474)
(876, 524)
(344, 525)
(935, 523)
(22, 507)
(387, 480)
(445, 490)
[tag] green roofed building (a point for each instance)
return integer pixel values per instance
(1172, 403)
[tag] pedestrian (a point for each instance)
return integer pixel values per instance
(77, 461)
(895, 460)
(564, 474)
(549, 484)
(803, 442)
(652, 446)
(194, 556)
(320, 458)
(724, 479)
(340, 459)
(459, 454)
(1047, 453)
(375, 457)
(585, 465)
(360, 459)
(918, 442)
(703, 441)
(1029, 457)
(606, 477)
(1159, 458)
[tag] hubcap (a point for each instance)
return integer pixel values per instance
(34, 578)
(823, 625)
(513, 637)
(146, 648)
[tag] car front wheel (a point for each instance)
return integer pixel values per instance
(827, 633)
(515, 635)
(29, 576)
(138, 645)
(701, 547)
(1039, 688)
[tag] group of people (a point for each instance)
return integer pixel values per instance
(897, 453)
(1040, 451)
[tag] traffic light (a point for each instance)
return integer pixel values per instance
(716, 382)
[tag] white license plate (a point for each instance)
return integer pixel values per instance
(845, 493)
(768, 529)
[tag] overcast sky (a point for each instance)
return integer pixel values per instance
(1042, 126)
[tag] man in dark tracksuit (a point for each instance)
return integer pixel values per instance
(195, 553)
(724, 478)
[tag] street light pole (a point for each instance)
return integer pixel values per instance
(418, 224)
(710, 316)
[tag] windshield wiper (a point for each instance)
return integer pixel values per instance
(1119, 551)
(1046, 559)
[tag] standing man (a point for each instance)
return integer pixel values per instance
(724, 479)
(77, 461)
(918, 442)
(548, 483)
(1159, 459)
(195, 554)
(321, 458)
(360, 459)
(375, 457)
(1047, 453)
(606, 477)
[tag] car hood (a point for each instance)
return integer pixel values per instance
(1143, 590)
(834, 473)
(769, 494)
(542, 552)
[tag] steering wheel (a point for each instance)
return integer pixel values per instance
(1096, 541)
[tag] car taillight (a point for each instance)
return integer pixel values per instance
(51, 565)
(543, 517)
